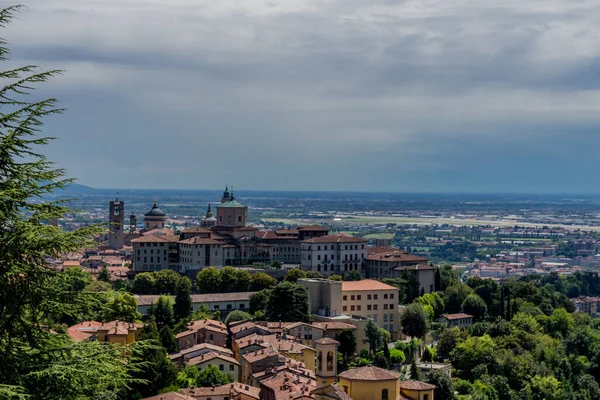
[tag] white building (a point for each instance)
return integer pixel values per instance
(196, 253)
(333, 254)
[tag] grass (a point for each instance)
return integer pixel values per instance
(380, 236)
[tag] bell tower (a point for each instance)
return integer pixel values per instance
(226, 195)
(326, 369)
(132, 223)
(116, 238)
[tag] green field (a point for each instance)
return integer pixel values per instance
(380, 236)
(287, 221)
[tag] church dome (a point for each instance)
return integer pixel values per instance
(155, 212)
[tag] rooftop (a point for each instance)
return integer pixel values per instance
(365, 284)
(369, 373)
(456, 316)
(416, 385)
(336, 238)
(147, 299)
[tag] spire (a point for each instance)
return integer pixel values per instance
(155, 202)
(231, 196)
(209, 211)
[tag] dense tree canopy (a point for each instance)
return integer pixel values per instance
(288, 302)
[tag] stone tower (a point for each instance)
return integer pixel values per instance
(326, 369)
(232, 213)
(132, 223)
(155, 218)
(116, 238)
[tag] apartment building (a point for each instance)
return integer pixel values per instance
(372, 299)
(333, 254)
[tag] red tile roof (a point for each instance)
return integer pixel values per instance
(336, 238)
(456, 316)
(199, 240)
(416, 385)
(206, 357)
(369, 374)
(170, 396)
(333, 325)
(156, 239)
(365, 284)
(418, 267)
(394, 255)
(83, 330)
(327, 340)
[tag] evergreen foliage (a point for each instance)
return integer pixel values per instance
(288, 302)
(183, 299)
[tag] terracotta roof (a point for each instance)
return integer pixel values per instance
(333, 325)
(287, 232)
(416, 385)
(207, 391)
(456, 316)
(119, 327)
(83, 330)
(336, 238)
(394, 255)
(199, 240)
(365, 284)
(327, 340)
(287, 385)
(254, 356)
(206, 357)
(196, 229)
(156, 239)
(202, 346)
(370, 374)
(170, 396)
(248, 325)
(247, 390)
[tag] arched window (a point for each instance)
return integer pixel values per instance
(320, 361)
(384, 394)
(240, 218)
(330, 361)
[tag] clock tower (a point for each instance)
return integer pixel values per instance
(116, 238)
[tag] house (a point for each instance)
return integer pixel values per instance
(373, 383)
(389, 262)
(460, 320)
(170, 396)
(117, 332)
(183, 355)
(226, 364)
(223, 302)
(428, 367)
(286, 385)
(230, 391)
(203, 331)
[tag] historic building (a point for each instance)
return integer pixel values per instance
(155, 218)
(116, 236)
(333, 254)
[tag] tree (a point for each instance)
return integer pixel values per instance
(99, 286)
(183, 299)
(443, 385)
(211, 376)
(438, 280)
(237, 315)
(372, 336)
(411, 287)
(335, 278)
(276, 264)
(122, 307)
(415, 373)
(260, 281)
(561, 322)
(167, 339)
(166, 281)
(353, 275)
(447, 342)
(475, 306)
(229, 280)
(104, 275)
(144, 283)
(380, 361)
(208, 280)
(154, 371)
(294, 274)
(397, 357)
(288, 302)
(455, 296)
(347, 345)
(258, 301)
(162, 311)
(35, 363)
(427, 355)
(414, 321)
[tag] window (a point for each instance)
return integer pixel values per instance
(231, 367)
(374, 297)
(385, 306)
(391, 306)
(345, 298)
(229, 306)
(240, 218)
(368, 297)
(368, 307)
(345, 308)
(384, 394)
(425, 397)
(374, 306)
(385, 296)
(351, 308)
(242, 306)
(221, 367)
(385, 319)
(391, 317)
(358, 296)
(212, 337)
(392, 296)
(345, 389)
(357, 308)
(352, 297)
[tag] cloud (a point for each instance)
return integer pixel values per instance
(316, 94)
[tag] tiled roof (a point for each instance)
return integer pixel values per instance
(416, 385)
(202, 346)
(170, 396)
(119, 327)
(248, 325)
(336, 238)
(370, 374)
(365, 284)
(196, 229)
(418, 267)
(394, 256)
(254, 356)
(206, 357)
(83, 330)
(333, 325)
(199, 240)
(287, 385)
(327, 340)
(207, 391)
(456, 316)
(246, 390)
(156, 239)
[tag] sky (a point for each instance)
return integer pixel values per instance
(380, 95)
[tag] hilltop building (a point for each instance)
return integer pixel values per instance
(116, 236)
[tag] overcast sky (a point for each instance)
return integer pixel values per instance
(380, 95)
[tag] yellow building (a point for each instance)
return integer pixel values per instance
(373, 383)
(117, 332)
(372, 299)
